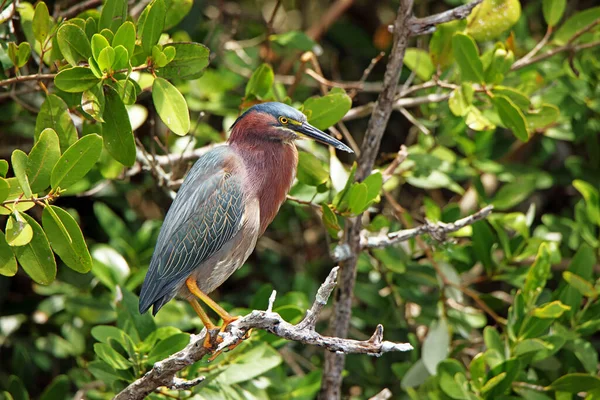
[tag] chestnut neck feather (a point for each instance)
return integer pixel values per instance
(270, 163)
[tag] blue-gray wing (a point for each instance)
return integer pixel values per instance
(206, 213)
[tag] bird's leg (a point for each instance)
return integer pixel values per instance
(205, 320)
(225, 316)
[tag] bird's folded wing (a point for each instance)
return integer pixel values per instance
(207, 212)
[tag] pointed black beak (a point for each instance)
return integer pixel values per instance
(311, 132)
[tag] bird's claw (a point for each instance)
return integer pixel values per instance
(220, 340)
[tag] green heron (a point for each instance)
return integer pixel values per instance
(226, 201)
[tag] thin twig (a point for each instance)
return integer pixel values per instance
(525, 61)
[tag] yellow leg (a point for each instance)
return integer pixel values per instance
(193, 288)
(205, 320)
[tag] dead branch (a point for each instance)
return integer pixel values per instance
(163, 373)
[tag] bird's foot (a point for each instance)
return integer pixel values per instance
(226, 323)
(219, 339)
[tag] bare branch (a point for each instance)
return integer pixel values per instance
(421, 26)
(437, 230)
(164, 372)
(340, 320)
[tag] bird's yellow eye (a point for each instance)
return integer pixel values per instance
(283, 120)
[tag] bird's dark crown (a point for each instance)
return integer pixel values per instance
(274, 109)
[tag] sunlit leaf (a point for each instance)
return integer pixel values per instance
(171, 106)
(42, 159)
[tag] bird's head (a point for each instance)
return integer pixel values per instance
(278, 122)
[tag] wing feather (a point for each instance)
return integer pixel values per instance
(207, 212)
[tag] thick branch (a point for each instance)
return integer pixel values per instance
(340, 320)
(421, 26)
(164, 372)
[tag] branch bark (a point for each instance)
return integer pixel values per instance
(404, 27)
(163, 373)
(340, 320)
(437, 231)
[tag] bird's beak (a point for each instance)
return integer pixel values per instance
(311, 132)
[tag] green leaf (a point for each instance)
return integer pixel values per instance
(153, 25)
(168, 346)
(575, 383)
(106, 59)
(461, 99)
(171, 106)
(4, 189)
(75, 163)
(93, 102)
(476, 121)
(330, 221)
(41, 22)
(42, 159)
(176, 12)
(76, 79)
(492, 18)
(36, 257)
(111, 356)
(66, 239)
(99, 43)
(436, 346)
(295, 40)
(374, 183)
(537, 275)
(55, 114)
(59, 388)
(500, 378)
(546, 115)
(19, 55)
(440, 46)
(581, 285)
(447, 372)
(121, 60)
(328, 110)
(357, 198)
(575, 23)
(18, 231)
(191, 59)
(8, 264)
(125, 37)
(418, 61)
(311, 171)
(251, 364)
(582, 265)
(551, 310)
(19, 164)
(553, 11)
(114, 13)
(511, 116)
(467, 56)
(592, 199)
(17, 389)
(3, 168)
(116, 130)
(492, 339)
(73, 43)
(260, 82)
(517, 97)
(126, 89)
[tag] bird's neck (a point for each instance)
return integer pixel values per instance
(270, 170)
